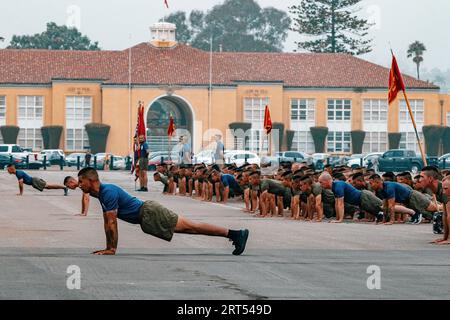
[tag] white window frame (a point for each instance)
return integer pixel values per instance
(375, 110)
(30, 119)
(332, 144)
(418, 111)
(2, 110)
(30, 138)
(254, 109)
(336, 106)
(78, 114)
(408, 141)
(303, 110)
(376, 142)
(303, 142)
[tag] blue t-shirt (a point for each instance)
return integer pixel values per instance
(23, 175)
(144, 150)
(397, 191)
(345, 190)
(112, 197)
(229, 181)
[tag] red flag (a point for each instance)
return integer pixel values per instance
(171, 129)
(267, 121)
(396, 83)
(142, 131)
(166, 3)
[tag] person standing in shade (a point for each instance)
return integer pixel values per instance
(87, 159)
(220, 150)
(143, 164)
(186, 153)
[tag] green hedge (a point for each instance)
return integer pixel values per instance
(280, 127)
(51, 136)
(98, 136)
(394, 140)
(290, 134)
(358, 137)
(446, 140)
(433, 138)
(319, 135)
(10, 134)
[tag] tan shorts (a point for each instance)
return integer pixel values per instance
(157, 220)
(38, 184)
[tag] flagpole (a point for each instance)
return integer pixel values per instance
(415, 129)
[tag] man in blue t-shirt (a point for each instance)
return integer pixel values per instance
(37, 183)
(153, 218)
(225, 185)
(143, 164)
(393, 193)
(346, 193)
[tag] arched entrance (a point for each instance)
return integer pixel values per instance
(158, 118)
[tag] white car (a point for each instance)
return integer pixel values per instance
(355, 160)
(53, 156)
(14, 150)
(205, 156)
(240, 157)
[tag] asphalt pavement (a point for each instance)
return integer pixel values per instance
(42, 242)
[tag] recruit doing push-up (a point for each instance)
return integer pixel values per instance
(35, 182)
(153, 218)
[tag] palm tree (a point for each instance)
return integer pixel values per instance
(416, 50)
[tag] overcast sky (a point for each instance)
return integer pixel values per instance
(111, 22)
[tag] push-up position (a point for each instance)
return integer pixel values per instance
(37, 183)
(72, 184)
(153, 218)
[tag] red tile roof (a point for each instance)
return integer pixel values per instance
(184, 65)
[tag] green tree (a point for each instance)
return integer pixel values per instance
(332, 26)
(235, 25)
(184, 31)
(416, 50)
(54, 38)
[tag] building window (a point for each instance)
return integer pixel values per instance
(2, 114)
(375, 142)
(31, 107)
(30, 120)
(375, 110)
(409, 141)
(78, 114)
(448, 119)
(417, 108)
(30, 138)
(303, 110)
(303, 142)
(76, 139)
(339, 110)
(339, 142)
(254, 113)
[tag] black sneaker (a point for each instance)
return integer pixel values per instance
(240, 242)
(379, 217)
(419, 219)
(414, 219)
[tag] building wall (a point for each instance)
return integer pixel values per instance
(110, 106)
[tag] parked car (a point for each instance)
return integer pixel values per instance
(13, 149)
(53, 156)
(205, 156)
(240, 157)
(355, 160)
(320, 157)
(444, 162)
(6, 160)
(401, 160)
(72, 159)
(153, 162)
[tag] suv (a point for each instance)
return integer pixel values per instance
(55, 156)
(14, 150)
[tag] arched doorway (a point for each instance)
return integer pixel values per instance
(158, 118)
